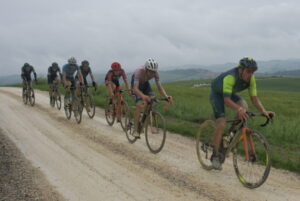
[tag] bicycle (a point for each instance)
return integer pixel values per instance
(72, 103)
(116, 107)
(87, 101)
(250, 149)
(152, 123)
(28, 94)
(56, 97)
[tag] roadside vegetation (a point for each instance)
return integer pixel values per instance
(191, 107)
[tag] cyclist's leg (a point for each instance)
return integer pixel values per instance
(217, 102)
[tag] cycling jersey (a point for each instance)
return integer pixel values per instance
(52, 74)
(141, 78)
(85, 70)
(70, 70)
(226, 85)
(111, 76)
(26, 73)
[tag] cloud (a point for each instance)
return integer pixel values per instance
(174, 32)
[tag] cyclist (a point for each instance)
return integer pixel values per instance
(112, 79)
(68, 76)
(85, 70)
(52, 77)
(223, 92)
(26, 74)
(142, 89)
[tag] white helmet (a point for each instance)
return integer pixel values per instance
(72, 60)
(151, 64)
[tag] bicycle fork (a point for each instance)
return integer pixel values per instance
(247, 137)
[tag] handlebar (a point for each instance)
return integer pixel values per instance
(252, 114)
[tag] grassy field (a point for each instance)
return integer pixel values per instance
(191, 107)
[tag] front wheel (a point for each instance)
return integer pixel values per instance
(90, 106)
(254, 171)
(67, 108)
(31, 97)
(110, 112)
(203, 143)
(129, 126)
(123, 113)
(155, 132)
(24, 96)
(58, 100)
(77, 110)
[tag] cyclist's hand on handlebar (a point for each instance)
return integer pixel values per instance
(269, 114)
(242, 114)
(170, 99)
(94, 84)
(146, 98)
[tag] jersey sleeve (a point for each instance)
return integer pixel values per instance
(252, 89)
(228, 83)
(108, 76)
(156, 77)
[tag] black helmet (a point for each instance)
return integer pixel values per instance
(26, 64)
(85, 63)
(248, 62)
(54, 64)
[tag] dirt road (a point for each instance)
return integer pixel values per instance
(93, 161)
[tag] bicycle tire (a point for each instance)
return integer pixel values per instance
(58, 100)
(24, 96)
(123, 113)
(31, 97)
(203, 143)
(129, 122)
(91, 106)
(77, 110)
(67, 108)
(110, 113)
(246, 171)
(155, 134)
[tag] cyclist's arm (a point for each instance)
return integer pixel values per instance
(92, 76)
(80, 76)
(125, 80)
(228, 83)
(65, 78)
(161, 89)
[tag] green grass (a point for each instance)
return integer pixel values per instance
(191, 107)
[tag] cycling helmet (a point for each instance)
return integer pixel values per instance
(54, 64)
(85, 63)
(248, 62)
(26, 64)
(151, 64)
(116, 66)
(72, 61)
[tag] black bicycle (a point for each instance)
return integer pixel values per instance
(55, 98)
(28, 94)
(152, 123)
(87, 101)
(72, 104)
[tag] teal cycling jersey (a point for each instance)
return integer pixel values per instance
(70, 70)
(229, 83)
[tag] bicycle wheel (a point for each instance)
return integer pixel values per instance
(77, 109)
(90, 106)
(155, 132)
(68, 108)
(129, 125)
(31, 97)
(52, 100)
(24, 96)
(123, 113)
(110, 113)
(203, 143)
(58, 100)
(255, 171)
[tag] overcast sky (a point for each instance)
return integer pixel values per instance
(174, 32)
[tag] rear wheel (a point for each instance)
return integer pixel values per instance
(129, 125)
(110, 112)
(252, 172)
(90, 106)
(155, 132)
(203, 143)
